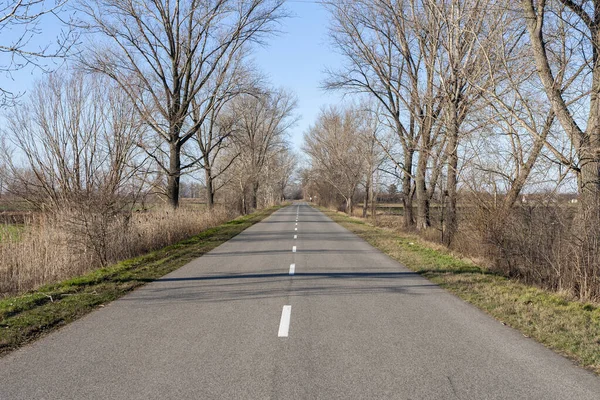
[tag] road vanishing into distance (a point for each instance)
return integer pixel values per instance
(296, 307)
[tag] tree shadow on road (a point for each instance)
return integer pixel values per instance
(255, 286)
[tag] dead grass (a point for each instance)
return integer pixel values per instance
(570, 327)
(52, 248)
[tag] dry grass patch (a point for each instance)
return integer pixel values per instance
(57, 247)
(571, 328)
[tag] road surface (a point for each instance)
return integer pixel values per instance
(296, 307)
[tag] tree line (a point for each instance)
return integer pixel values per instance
(470, 107)
(478, 90)
(149, 92)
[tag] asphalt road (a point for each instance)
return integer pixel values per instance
(361, 326)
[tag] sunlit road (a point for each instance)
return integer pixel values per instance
(296, 307)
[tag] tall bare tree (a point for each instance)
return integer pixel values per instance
(75, 142)
(235, 78)
(170, 56)
(469, 29)
(580, 63)
(521, 127)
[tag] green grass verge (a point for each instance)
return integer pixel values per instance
(571, 328)
(28, 316)
(11, 232)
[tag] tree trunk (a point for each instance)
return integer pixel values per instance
(210, 186)
(407, 193)
(423, 221)
(587, 143)
(367, 195)
(174, 174)
(255, 186)
(451, 218)
(374, 200)
(590, 174)
(210, 194)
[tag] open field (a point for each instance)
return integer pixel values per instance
(569, 327)
(35, 313)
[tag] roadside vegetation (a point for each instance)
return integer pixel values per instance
(132, 145)
(556, 320)
(53, 248)
(478, 122)
(35, 313)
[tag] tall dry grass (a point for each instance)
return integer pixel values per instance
(56, 247)
(550, 245)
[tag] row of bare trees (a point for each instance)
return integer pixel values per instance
(149, 95)
(343, 154)
(179, 62)
(160, 90)
(479, 103)
(450, 77)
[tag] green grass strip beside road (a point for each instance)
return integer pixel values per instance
(26, 317)
(571, 328)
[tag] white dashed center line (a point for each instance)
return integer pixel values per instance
(295, 236)
(294, 249)
(292, 269)
(284, 324)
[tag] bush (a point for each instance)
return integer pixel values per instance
(549, 245)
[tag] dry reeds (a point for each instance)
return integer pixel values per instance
(57, 247)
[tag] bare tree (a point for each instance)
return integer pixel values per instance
(235, 78)
(260, 125)
(469, 29)
(284, 168)
(171, 58)
(73, 154)
(580, 63)
(372, 150)
(335, 146)
(519, 126)
(77, 136)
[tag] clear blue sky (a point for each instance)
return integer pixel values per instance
(296, 58)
